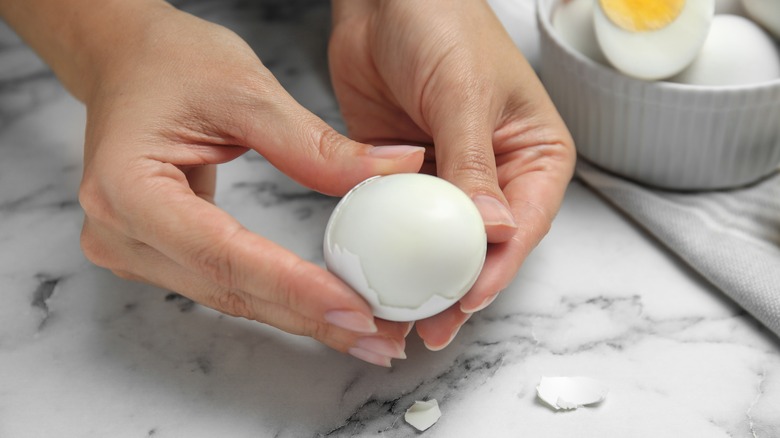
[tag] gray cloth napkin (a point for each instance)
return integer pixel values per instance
(731, 237)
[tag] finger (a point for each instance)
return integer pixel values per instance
(535, 197)
(438, 331)
(304, 147)
(345, 9)
(162, 211)
(203, 181)
(132, 260)
(462, 131)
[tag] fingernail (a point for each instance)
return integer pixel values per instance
(486, 302)
(351, 320)
(382, 346)
(493, 211)
(449, 341)
(395, 151)
(370, 357)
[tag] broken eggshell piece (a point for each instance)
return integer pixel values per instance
(411, 244)
(570, 392)
(423, 414)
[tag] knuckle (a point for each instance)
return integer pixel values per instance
(216, 261)
(90, 245)
(328, 143)
(476, 165)
(106, 253)
(92, 199)
(95, 249)
(316, 330)
(233, 303)
(286, 294)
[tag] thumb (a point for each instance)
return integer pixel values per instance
(311, 152)
(465, 157)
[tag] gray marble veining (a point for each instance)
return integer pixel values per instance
(86, 354)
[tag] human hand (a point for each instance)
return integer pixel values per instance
(445, 74)
(181, 97)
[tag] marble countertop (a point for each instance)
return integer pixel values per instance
(86, 354)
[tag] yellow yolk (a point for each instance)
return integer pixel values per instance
(642, 15)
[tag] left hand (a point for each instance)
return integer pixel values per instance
(445, 74)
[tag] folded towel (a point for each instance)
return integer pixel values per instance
(731, 237)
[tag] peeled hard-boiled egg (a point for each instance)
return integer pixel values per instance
(765, 12)
(573, 22)
(410, 244)
(737, 51)
(652, 39)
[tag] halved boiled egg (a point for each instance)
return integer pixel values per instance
(652, 39)
(411, 244)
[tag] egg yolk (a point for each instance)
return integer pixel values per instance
(642, 15)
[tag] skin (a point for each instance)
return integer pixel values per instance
(170, 96)
(445, 74)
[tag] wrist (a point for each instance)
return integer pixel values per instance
(82, 40)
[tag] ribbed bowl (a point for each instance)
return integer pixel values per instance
(674, 136)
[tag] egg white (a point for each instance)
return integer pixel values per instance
(655, 54)
(412, 245)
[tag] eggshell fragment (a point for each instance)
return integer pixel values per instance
(410, 244)
(570, 392)
(423, 414)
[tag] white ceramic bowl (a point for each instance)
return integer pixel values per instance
(663, 134)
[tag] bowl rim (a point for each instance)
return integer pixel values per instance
(543, 15)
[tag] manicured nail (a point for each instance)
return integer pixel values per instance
(382, 346)
(493, 211)
(449, 341)
(351, 320)
(395, 151)
(486, 302)
(370, 357)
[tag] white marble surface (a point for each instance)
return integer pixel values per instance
(85, 354)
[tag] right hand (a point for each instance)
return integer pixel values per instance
(446, 74)
(163, 109)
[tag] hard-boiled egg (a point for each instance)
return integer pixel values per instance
(573, 22)
(766, 13)
(412, 245)
(652, 39)
(737, 51)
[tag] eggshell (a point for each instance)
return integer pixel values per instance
(736, 52)
(571, 392)
(412, 245)
(423, 414)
